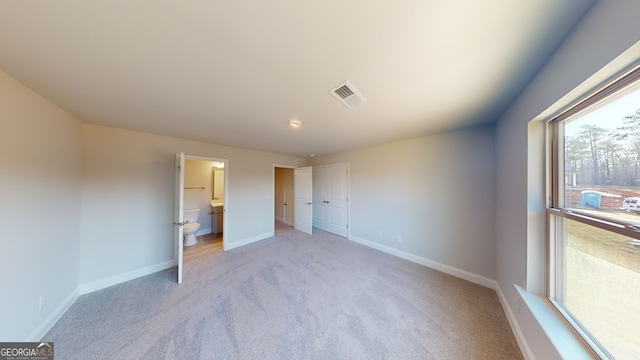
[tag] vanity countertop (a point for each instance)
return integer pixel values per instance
(215, 203)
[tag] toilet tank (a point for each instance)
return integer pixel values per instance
(191, 216)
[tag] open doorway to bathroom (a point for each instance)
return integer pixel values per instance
(204, 194)
(283, 196)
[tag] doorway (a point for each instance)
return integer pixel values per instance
(299, 208)
(204, 190)
(299, 188)
(283, 195)
(312, 197)
(201, 192)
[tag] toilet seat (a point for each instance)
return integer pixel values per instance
(191, 226)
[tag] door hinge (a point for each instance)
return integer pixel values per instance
(178, 223)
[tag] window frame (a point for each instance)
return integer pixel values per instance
(556, 212)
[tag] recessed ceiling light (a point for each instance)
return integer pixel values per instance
(294, 123)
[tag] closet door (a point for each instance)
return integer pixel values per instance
(330, 199)
(320, 185)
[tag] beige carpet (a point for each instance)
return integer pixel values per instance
(293, 296)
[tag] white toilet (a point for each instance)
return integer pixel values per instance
(191, 226)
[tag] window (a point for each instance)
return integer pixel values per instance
(593, 222)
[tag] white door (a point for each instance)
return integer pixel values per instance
(330, 199)
(336, 206)
(178, 212)
(319, 181)
(303, 193)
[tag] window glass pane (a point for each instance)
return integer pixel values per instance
(601, 287)
(602, 160)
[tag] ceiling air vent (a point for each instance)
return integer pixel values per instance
(348, 95)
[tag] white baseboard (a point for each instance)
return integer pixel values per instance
(42, 330)
(474, 278)
(202, 231)
(235, 244)
(515, 327)
(117, 279)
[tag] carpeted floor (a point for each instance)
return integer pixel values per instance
(293, 296)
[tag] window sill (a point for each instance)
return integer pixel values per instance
(566, 342)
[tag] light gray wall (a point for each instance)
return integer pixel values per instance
(127, 200)
(437, 192)
(607, 30)
(85, 206)
(127, 185)
(40, 156)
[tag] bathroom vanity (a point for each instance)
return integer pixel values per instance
(217, 214)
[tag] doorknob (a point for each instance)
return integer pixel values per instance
(309, 203)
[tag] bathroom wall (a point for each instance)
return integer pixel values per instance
(128, 200)
(41, 162)
(197, 174)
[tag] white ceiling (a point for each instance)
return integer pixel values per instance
(235, 72)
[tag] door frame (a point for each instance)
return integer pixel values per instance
(178, 209)
(273, 192)
(226, 192)
(348, 166)
(179, 257)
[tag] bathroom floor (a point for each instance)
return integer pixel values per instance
(207, 244)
